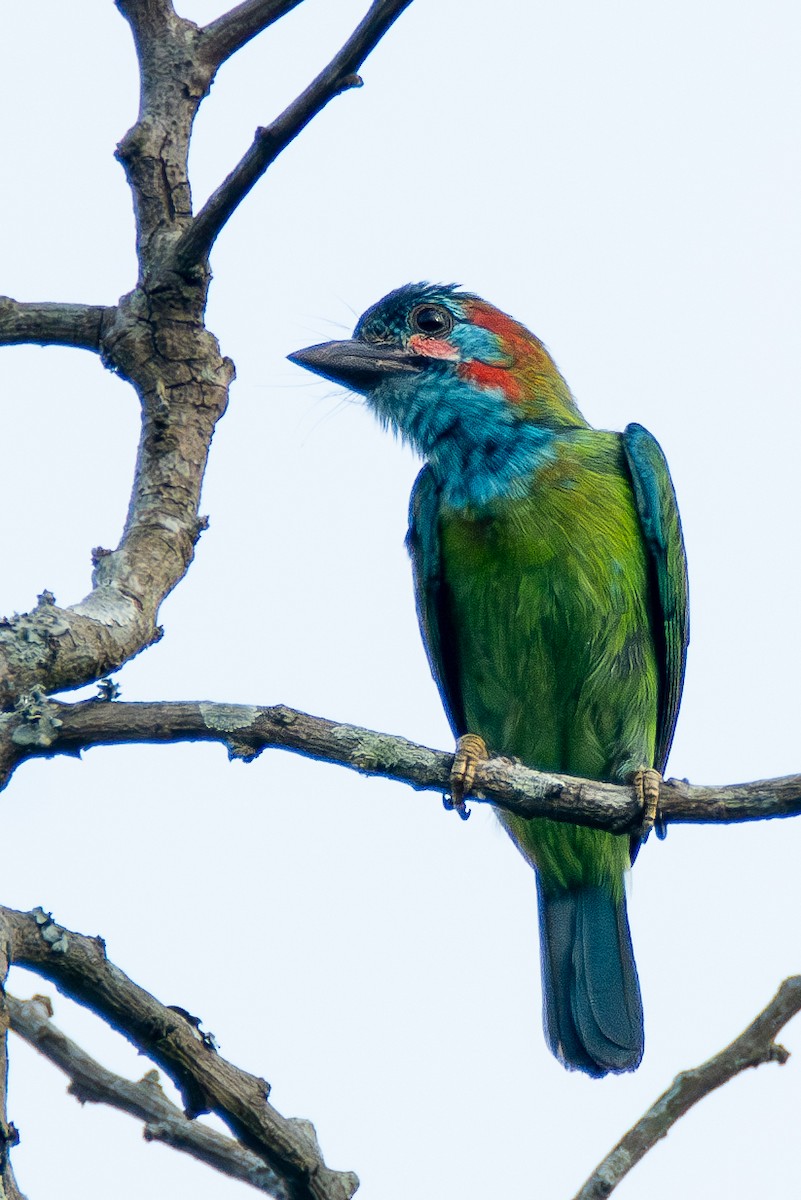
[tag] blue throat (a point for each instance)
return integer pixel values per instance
(479, 449)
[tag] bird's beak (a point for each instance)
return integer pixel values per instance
(357, 365)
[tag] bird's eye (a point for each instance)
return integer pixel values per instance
(433, 320)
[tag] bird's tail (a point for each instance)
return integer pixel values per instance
(592, 1008)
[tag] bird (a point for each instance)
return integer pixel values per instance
(551, 588)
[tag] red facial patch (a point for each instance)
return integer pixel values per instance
(432, 347)
(516, 341)
(486, 376)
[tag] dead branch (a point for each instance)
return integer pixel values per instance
(91, 1083)
(156, 339)
(76, 325)
(43, 727)
(171, 1038)
(756, 1045)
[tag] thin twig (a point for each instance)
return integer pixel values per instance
(753, 1047)
(91, 1083)
(171, 1038)
(51, 324)
(233, 30)
(46, 727)
(340, 75)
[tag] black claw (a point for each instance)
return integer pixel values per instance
(450, 805)
(660, 827)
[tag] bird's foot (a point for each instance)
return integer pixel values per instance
(470, 750)
(646, 784)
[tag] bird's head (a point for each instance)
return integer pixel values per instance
(437, 363)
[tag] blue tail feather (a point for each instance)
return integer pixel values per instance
(591, 994)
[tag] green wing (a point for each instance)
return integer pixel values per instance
(659, 516)
(422, 542)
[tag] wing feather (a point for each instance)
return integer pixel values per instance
(423, 544)
(659, 516)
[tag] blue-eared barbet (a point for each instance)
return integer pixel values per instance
(551, 591)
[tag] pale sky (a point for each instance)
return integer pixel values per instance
(624, 178)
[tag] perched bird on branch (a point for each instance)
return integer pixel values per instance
(552, 597)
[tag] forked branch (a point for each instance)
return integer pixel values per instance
(92, 1083)
(156, 339)
(170, 1037)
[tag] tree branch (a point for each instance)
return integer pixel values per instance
(154, 152)
(8, 1134)
(753, 1047)
(155, 338)
(146, 14)
(91, 1083)
(43, 727)
(78, 325)
(183, 387)
(194, 245)
(233, 30)
(171, 1037)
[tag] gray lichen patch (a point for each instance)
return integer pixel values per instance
(55, 935)
(40, 724)
(364, 751)
(226, 717)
